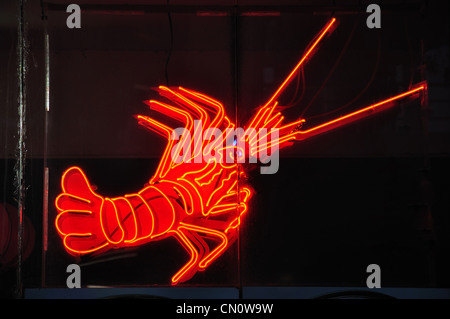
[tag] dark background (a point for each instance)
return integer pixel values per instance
(374, 192)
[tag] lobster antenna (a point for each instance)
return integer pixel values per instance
(308, 53)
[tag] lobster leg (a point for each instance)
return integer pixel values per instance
(192, 238)
(188, 270)
(216, 252)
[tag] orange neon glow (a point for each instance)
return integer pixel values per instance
(200, 203)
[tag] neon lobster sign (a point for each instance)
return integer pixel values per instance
(193, 201)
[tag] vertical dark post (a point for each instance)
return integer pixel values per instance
(235, 38)
(46, 169)
(20, 149)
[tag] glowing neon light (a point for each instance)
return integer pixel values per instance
(191, 201)
(326, 29)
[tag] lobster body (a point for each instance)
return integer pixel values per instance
(91, 223)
